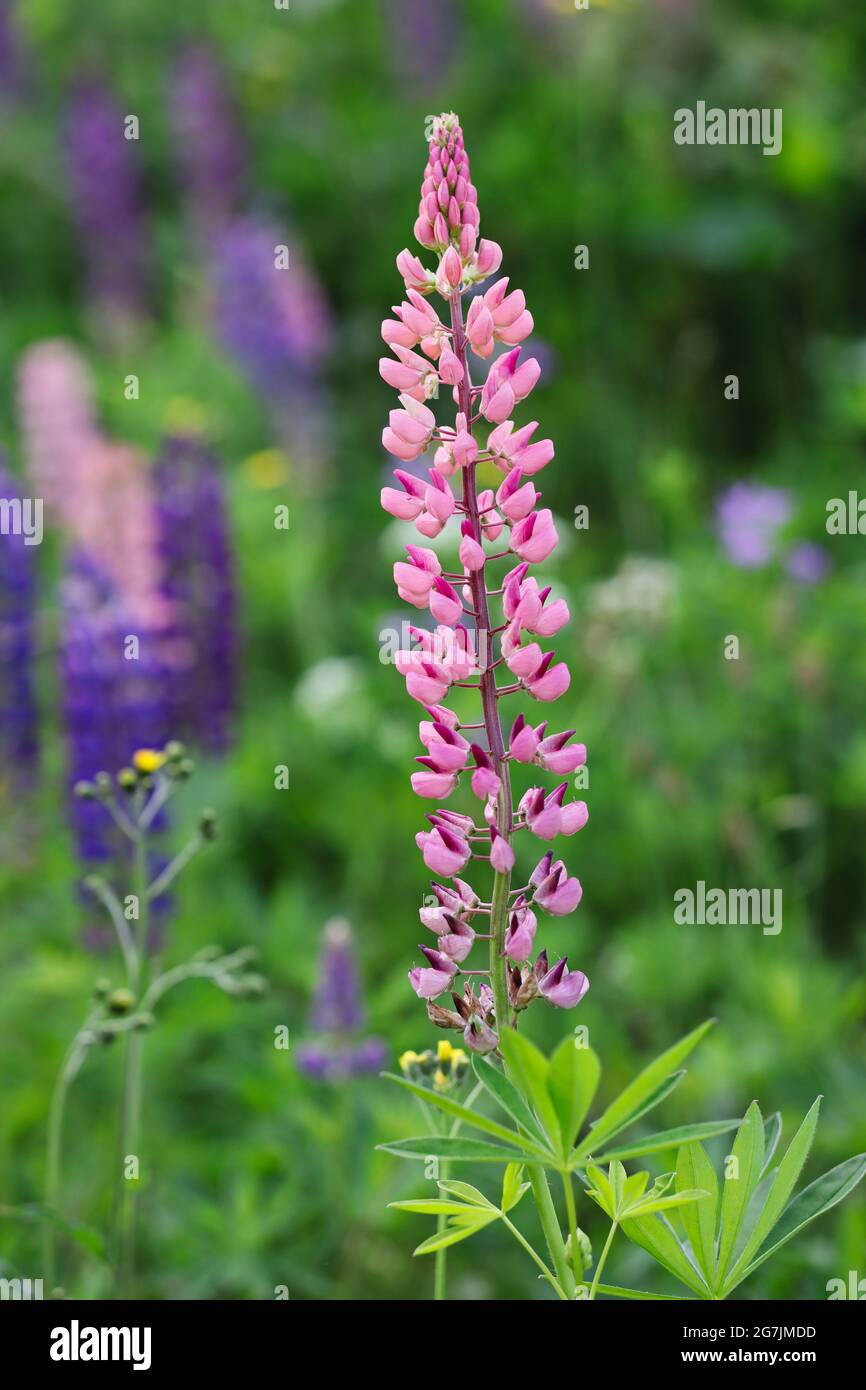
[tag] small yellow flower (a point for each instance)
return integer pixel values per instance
(406, 1060)
(148, 760)
(458, 1057)
(440, 1080)
(266, 469)
(444, 1051)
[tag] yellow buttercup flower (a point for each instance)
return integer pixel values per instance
(406, 1059)
(444, 1051)
(148, 760)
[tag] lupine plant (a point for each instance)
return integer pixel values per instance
(485, 624)
(133, 799)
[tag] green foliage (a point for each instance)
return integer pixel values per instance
(725, 1227)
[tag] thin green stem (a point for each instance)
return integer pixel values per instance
(576, 1261)
(550, 1226)
(177, 865)
(440, 1271)
(54, 1153)
(551, 1279)
(106, 895)
(604, 1254)
(130, 1105)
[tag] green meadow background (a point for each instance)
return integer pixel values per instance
(746, 773)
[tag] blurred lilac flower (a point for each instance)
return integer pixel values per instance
(274, 321)
(749, 517)
(422, 39)
(807, 562)
(18, 712)
(338, 1014)
(106, 204)
(212, 150)
(197, 583)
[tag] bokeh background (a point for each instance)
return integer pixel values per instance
(152, 257)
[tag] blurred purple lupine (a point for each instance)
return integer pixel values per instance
(274, 320)
(18, 712)
(338, 1014)
(212, 150)
(194, 549)
(807, 562)
(106, 205)
(749, 517)
(422, 40)
(13, 68)
(111, 705)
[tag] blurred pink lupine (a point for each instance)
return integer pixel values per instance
(99, 491)
(432, 361)
(58, 420)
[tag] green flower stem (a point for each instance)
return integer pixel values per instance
(560, 1292)
(441, 1256)
(130, 1104)
(218, 970)
(576, 1261)
(68, 1072)
(504, 811)
(106, 895)
(440, 1270)
(604, 1254)
(177, 865)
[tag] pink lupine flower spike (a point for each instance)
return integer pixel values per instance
(475, 360)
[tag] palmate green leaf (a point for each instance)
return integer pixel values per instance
(601, 1191)
(591, 1141)
(631, 1103)
(513, 1187)
(653, 1234)
(694, 1169)
(779, 1191)
(453, 1234)
(650, 1205)
(466, 1193)
(468, 1116)
(820, 1196)
(572, 1082)
(496, 1083)
(748, 1151)
(669, 1139)
(529, 1070)
(430, 1206)
(456, 1150)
